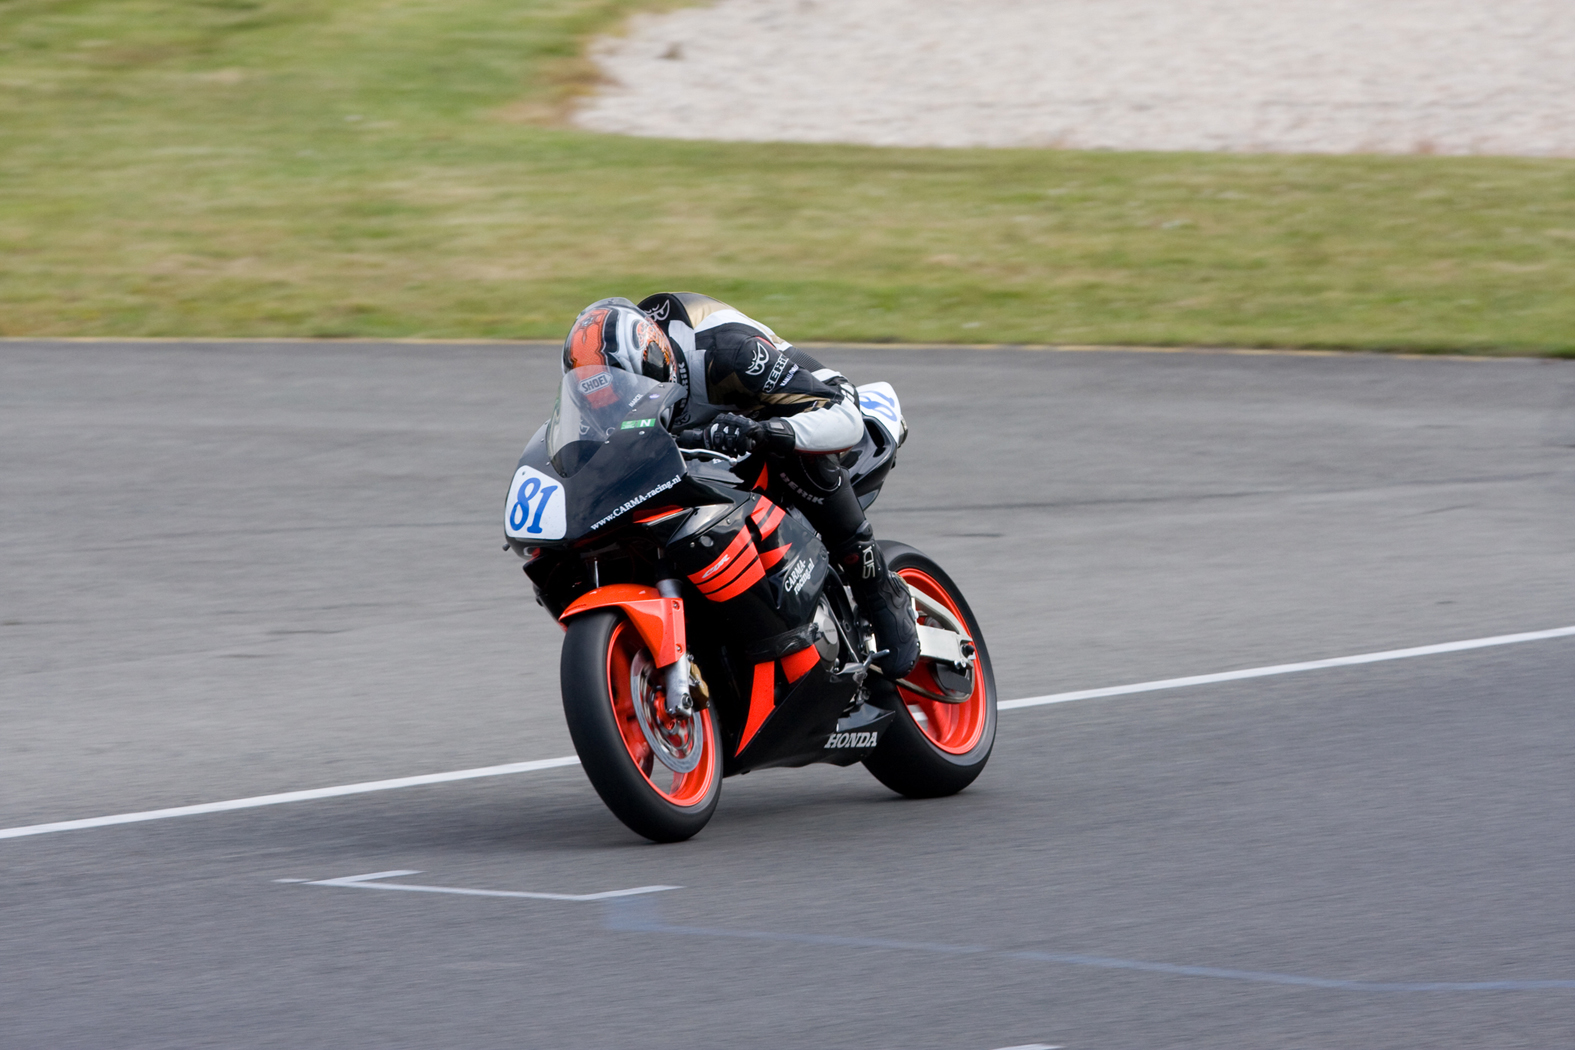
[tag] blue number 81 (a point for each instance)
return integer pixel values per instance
(529, 490)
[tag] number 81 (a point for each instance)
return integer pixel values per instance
(529, 490)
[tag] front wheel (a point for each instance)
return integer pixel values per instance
(660, 775)
(935, 747)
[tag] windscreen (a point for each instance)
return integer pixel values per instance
(592, 404)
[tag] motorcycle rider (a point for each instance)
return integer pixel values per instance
(750, 390)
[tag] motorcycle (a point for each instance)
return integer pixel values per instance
(707, 633)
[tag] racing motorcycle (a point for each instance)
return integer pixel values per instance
(707, 632)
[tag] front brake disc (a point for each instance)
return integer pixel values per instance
(676, 742)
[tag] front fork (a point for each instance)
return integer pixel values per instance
(680, 703)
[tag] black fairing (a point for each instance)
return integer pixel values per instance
(869, 462)
(796, 732)
(631, 468)
(782, 595)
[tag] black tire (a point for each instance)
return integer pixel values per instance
(597, 654)
(943, 760)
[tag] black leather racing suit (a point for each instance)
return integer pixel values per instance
(733, 363)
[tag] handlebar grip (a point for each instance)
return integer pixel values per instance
(691, 438)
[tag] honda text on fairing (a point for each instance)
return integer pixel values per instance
(707, 631)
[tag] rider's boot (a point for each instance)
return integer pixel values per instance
(885, 600)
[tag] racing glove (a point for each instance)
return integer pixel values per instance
(735, 435)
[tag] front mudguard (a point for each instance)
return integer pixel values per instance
(657, 620)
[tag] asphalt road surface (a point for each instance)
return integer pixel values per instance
(232, 570)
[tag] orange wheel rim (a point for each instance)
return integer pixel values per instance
(681, 789)
(954, 728)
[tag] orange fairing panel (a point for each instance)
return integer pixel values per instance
(659, 621)
(766, 516)
(797, 665)
(733, 571)
(762, 701)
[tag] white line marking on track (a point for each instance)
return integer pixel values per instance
(372, 881)
(1279, 669)
(570, 760)
(289, 796)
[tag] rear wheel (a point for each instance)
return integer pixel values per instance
(945, 725)
(660, 775)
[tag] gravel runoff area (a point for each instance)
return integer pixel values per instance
(1321, 76)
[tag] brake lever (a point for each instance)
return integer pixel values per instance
(697, 452)
(692, 443)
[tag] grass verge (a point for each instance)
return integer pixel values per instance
(392, 167)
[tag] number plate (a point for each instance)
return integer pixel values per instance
(879, 402)
(534, 509)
